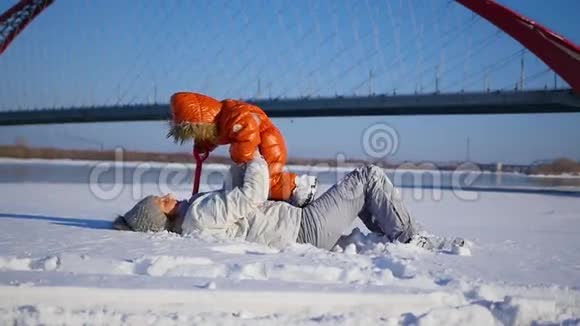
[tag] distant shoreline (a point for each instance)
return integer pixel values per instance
(47, 153)
(224, 166)
(22, 154)
(554, 176)
(217, 166)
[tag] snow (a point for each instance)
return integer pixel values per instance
(60, 263)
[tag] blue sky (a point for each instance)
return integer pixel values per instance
(81, 53)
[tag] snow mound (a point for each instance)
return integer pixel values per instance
(69, 305)
(48, 263)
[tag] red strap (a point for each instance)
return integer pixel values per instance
(199, 158)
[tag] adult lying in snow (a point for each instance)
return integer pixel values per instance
(245, 212)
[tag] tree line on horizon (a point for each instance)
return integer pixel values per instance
(22, 151)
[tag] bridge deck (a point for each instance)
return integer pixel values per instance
(553, 101)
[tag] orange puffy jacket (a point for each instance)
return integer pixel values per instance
(245, 127)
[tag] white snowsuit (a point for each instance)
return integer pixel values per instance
(244, 212)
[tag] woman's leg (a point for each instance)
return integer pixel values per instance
(365, 192)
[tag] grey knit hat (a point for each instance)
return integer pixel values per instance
(146, 215)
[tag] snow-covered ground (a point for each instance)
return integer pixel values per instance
(60, 263)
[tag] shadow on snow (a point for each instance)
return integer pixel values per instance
(75, 222)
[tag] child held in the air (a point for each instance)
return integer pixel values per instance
(246, 128)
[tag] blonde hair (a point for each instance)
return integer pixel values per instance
(200, 132)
